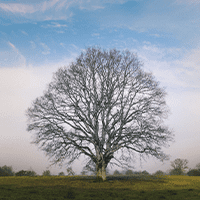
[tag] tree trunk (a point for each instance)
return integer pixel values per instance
(100, 164)
(101, 171)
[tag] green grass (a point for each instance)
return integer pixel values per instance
(62, 187)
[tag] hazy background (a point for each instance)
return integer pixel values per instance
(37, 37)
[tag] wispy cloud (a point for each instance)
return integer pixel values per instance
(165, 18)
(62, 44)
(190, 2)
(33, 45)
(155, 35)
(12, 57)
(54, 25)
(13, 46)
(74, 46)
(48, 4)
(46, 49)
(18, 8)
(57, 7)
(93, 7)
(40, 11)
(25, 33)
(95, 34)
(28, 8)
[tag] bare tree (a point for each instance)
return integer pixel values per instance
(97, 106)
(90, 167)
(179, 166)
(70, 171)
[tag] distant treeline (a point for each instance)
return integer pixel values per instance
(178, 165)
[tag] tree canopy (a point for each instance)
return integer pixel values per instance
(99, 105)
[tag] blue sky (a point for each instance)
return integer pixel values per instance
(37, 37)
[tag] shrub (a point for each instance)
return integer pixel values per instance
(21, 173)
(194, 172)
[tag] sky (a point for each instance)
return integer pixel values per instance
(37, 37)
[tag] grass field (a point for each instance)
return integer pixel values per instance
(63, 187)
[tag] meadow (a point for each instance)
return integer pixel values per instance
(86, 187)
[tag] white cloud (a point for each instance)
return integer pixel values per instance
(37, 11)
(54, 25)
(74, 46)
(62, 44)
(93, 7)
(180, 76)
(173, 67)
(27, 8)
(57, 25)
(51, 9)
(155, 35)
(18, 8)
(33, 45)
(192, 59)
(46, 49)
(13, 46)
(64, 3)
(190, 2)
(19, 86)
(48, 4)
(25, 33)
(12, 57)
(95, 34)
(57, 5)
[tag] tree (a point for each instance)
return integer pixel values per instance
(116, 173)
(129, 172)
(159, 173)
(31, 173)
(145, 173)
(61, 174)
(6, 171)
(99, 105)
(46, 173)
(20, 173)
(90, 167)
(179, 166)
